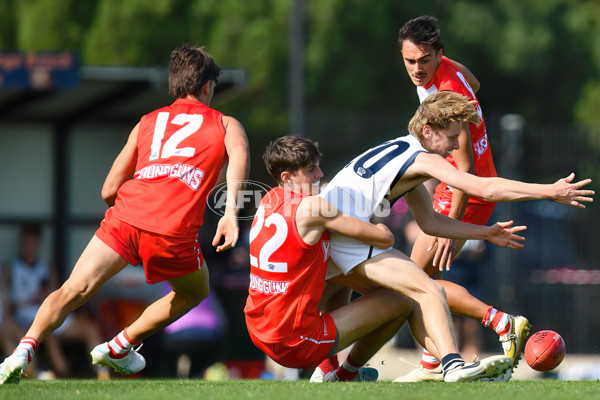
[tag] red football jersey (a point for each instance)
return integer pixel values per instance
(287, 276)
(181, 151)
(449, 78)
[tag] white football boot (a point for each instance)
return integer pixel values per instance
(421, 374)
(14, 367)
(317, 375)
(488, 368)
(132, 363)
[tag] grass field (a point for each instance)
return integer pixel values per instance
(141, 389)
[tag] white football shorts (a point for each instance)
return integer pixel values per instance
(347, 253)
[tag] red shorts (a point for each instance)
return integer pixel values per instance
(163, 257)
(305, 350)
(476, 213)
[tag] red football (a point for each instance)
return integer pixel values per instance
(545, 350)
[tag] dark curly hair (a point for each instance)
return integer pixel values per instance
(422, 30)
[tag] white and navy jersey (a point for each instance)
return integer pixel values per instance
(361, 187)
(26, 281)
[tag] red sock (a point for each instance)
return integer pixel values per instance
(120, 345)
(497, 320)
(428, 361)
(329, 364)
(30, 344)
(348, 370)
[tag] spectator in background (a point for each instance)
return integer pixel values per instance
(26, 281)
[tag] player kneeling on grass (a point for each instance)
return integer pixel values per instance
(174, 155)
(289, 249)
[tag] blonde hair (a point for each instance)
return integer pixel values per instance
(440, 109)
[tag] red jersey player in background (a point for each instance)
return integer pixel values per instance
(174, 155)
(422, 50)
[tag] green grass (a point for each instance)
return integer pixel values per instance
(142, 389)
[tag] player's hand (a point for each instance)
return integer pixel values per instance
(444, 254)
(503, 234)
(229, 229)
(567, 192)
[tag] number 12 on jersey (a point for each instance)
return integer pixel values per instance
(191, 123)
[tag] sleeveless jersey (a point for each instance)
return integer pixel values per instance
(26, 282)
(449, 78)
(361, 188)
(181, 151)
(287, 275)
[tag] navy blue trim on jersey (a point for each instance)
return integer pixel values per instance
(367, 172)
(370, 252)
(399, 175)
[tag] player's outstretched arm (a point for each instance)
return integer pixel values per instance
(317, 214)
(567, 192)
(238, 151)
(501, 234)
(563, 191)
(122, 169)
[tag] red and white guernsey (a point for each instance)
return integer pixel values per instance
(181, 151)
(287, 276)
(449, 78)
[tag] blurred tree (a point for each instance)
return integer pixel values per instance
(135, 32)
(525, 54)
(250, 35)
(7, 25)
(539, 58)
(585, 23)
(41, 24)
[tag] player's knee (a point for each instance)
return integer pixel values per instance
(437, 290)
(195, 297)
(199, 297)
(71, 295)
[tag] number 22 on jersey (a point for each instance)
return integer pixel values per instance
(264, 261)
(191, 123)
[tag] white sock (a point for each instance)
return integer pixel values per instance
(428, 361)
(121, 344)
(28, 344)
